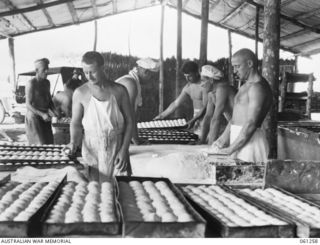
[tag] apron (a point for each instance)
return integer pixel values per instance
(103, 125)
(134, 76)
(38, 131)
(256, 149)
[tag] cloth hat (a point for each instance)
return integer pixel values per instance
(149, 64)
(211, 71)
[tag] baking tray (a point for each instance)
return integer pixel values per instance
(217, 228)
(302, 228)
(145, 229)
(169, 127)
(12, 165)
(80, 228)
(13, 147)
(30, 228)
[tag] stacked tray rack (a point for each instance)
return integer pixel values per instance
(45, 156)
(167, 136)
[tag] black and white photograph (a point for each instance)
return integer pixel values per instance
(157, 119)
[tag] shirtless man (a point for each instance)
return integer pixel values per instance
(40, 107)
(251, 105)
(102, 108)
(63, 100)
(132, 81)
(220, 102)
(194, 91)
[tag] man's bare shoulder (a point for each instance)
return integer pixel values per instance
(83, 90)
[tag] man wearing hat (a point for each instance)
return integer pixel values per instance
(192, 90)
(220, 102)
(40, 107)
(144, 69)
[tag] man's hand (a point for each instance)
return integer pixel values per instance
(70, 149)
(46, 117)
(159, 117)
(121, 161)
(225, 151)
(191, 123)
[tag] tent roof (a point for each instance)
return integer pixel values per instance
(299, 32)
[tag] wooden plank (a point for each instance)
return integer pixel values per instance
(204, 32)
(270, 67)
(313, 41)
(46, 13)
(234, 12)
(73, 13)
(257, 29)
(230, 69)
(286, 2)
(307, 14)
(34, 8)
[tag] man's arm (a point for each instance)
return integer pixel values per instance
(76, 121)
(221, 101)
(206, 120)
(29, 100)
(256, 97)
(122, 157)
(175, 104)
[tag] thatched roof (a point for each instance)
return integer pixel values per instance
(300, 19)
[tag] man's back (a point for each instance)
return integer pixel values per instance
(63, 103)
(40, 94)
(195, 91)
(256, 95)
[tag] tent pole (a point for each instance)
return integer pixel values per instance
(270, 67)
(95, 35)
(257, 29)
(230, 70)
(204, 32)
(161, 73)
(13, 63)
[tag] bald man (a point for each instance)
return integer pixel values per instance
(40, 107)
(251, 105)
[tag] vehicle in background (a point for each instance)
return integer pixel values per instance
(12, 103)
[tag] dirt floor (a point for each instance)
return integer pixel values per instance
(15, 131)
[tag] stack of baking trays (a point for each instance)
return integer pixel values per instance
(13, 156)
(166, 132)
(230, 215)
(303, 213)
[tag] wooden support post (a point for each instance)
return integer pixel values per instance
(230, 69)
(179, 46)
(204, 32)
(257, 30)
(13, 63)
(270, 67)
(95, 35)
(161, 73)
(309, 95)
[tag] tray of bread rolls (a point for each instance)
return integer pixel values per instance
(29, 147)
(167, 136)
(12, 165)
(22, 205)
(154, 207)
(229, 215)
(170, 123)
(305, 214)
(83, 209)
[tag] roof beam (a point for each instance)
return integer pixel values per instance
(308, 14)
(114, 5)
(73, 13)
(34, 8)
(311, 52)
(287, 18)
(286, 2)
(297, 33)
(184, 4)
(12, 7)
(94, 8)
(46, 13)
(234, 12)
(310, 42)
(232, 30)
